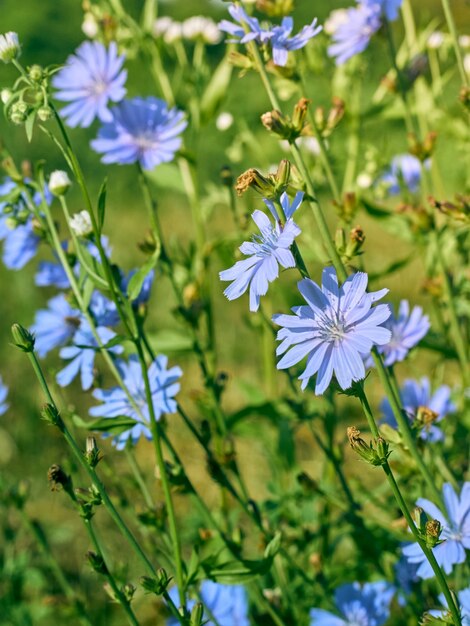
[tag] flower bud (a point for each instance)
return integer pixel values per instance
(59, 183)
(81, 224)
(24, 340)
(283, 175)
(433, 531)
(97, 562)
(128, 591)
(51, 415)
(5, 95)
(92, 453)
(376, 453)
(58, 479)
(157, 584)
(356, 240)
(253, 179)
(35, 73)
(44, 113)
(197, 615)
(275, 8)
(9, 47)
(300, 113)
(335, 115)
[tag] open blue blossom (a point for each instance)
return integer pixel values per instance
(463, 598)
(164, 386)
(366, 605)
(227, 603)
(55, 325)
(455, 531)
(404, 172)
(255, 31)
(142, 130)
(82, 354)
(90, 79)
(389, 8)
(3, 397)
(353, 35)
(336, 329)
(265, 253)
(407, 331)
(415, 395)
(282, 42)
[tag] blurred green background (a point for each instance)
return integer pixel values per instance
(49, 31)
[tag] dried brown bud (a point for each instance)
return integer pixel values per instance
(57, 478)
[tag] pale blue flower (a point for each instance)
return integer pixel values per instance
(414, 395)
(265, 253)
(336, 329)
(282, 42)
(353, 35)
(455, 532)
(164, 386)
(366, 605)
(404, 172)
(82, 354)
(3, 397)
(407, 331)
(90, 79)
(104, 310)
(227, 603)
(255, 31)
(463, 598)
(55, 325)
(142, 130)
(20, 245)
(390, 8)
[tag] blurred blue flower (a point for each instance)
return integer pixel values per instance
(366, 605)
(82, 354)
(142, 130)
(390, 8)
(164, 386)
(405, 576)
(415, 395)
(145, 291)
(104, 310)
(3, 396)
(455, 530)
(336, 329)
(353, 35)
(404, 172)
(266, 252)
(227, 603)
(20, 246)
(463, 598)
(90, 79)
(55, 325)
(51, 274)
(255, 31)
(282, 42)
(407, 331)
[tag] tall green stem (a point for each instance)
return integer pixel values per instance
(455, 41)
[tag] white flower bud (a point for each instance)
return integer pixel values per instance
(161, 25)
(364, 180)
(59, 183)
(435, 40)
(9, 47)
(224, 121)
(173, 33)
(80, 224)
(200, 27)
(90, 26)
(464, 41)
(5, 95)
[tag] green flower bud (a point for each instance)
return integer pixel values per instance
(97, 562)
(44, 113)
(35, 73)
(51, 415)
(92, 454)
(158, 584)
(197, 615)
(128, 591)
(24, 340)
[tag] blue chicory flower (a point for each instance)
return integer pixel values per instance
(104, 310)
(407, 331)
(142, 130)
(336, 329)
(366, 605)
(3, 397)
(82, 354)
(405, 171)
(164, 386)
(389, 8)
(463, 598)
(266, 252)
(415, 395)
(353, 35)
(255, 31)
(455, 531)
(282, 42)
(55, 325)
(92, 77)
(227, 603)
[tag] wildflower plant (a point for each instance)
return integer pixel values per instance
(297, 459)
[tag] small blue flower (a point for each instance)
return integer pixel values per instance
(353, 35)
(55, 325)
(82, 354)
(336, 329)
(404, 172)
(104, 310)
(227, 603)
(281, 41)
(20, 246)
(464, 604)
(90, 79)
(390, 8)
(144, 295)
(164, 386)
(266, 252)
(142, 130)
(455, 531)
(3, 396)
(407, 331)
(255, 31)
(51, 274)
(415, 395)
(366, 605)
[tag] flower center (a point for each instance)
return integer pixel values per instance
(145, 141)
(267, 242)
(331, 326)
(98, 87)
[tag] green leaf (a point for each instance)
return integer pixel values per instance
(376, 211)
(105, 424)
(216, 90)
(135, 284)
(102, 204)
(273, 546)
(233, 572)
(172, 340)
(29, 125)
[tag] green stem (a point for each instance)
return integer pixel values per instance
(455, 41)
(138, 477)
